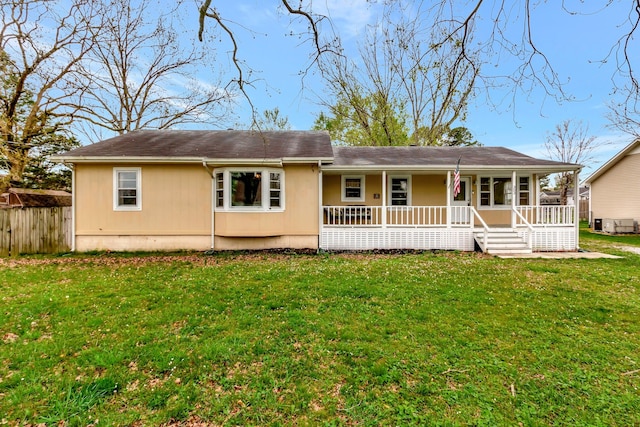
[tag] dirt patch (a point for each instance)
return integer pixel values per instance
(117, 259)
(208, 258)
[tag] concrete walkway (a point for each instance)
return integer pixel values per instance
(561, 255)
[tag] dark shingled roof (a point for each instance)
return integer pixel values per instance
(438, 156)
(210, 144)
(231, 145)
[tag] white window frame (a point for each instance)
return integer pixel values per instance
(492, 205)
(528, 191)
(343, 193)
(390, 179)
(218, 187)
(116, 189)
(265, 188)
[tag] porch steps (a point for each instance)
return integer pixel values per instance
(501, 241)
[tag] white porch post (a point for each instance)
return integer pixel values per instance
(384, 199)
(448, 199)
(576, 204)
(73, 206)
(320, 207)
(514, 193)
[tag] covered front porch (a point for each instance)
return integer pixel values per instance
(493, 211)
(536, 228)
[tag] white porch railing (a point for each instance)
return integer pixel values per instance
(547, 215)
(398, 216)
(436, 216)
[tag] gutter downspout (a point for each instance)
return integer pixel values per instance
(73, 206)
(213, 203)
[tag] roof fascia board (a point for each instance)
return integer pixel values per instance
(314, 160)
(124, 159)
(146, 159)
(471, 168)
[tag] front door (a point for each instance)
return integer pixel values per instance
(461, 216)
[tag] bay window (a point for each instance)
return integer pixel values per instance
(249, 189)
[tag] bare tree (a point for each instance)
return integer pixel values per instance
(625, 117)
(271, 120)
(509, 35)
(570, 143)
(141, 75)
(41, 45)
(322, 44)
(405, 64)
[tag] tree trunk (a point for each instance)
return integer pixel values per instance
(17, 160)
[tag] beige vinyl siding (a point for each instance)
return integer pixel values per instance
(332, 187)
(176, 200)
(426, 190)
(616, 193)
(177, 208)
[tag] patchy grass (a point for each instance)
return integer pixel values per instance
(433, 338)
(607, 242)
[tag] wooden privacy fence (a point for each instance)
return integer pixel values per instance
(35, 230)
(584, 210)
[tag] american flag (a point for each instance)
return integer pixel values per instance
(456, 180)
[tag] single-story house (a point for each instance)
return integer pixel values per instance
(34, 198)
(227, 190)
(615, 191)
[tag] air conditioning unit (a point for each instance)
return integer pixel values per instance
(615, 226)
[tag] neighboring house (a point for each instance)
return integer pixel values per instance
(29, 198)
(615, 187)
(222, 190)
(552, 197)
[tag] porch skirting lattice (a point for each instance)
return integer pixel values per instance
(551, 239)
(397, 238)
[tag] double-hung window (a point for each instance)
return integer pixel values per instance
(127, 189)
(352, 188)
(524, 191)
(249, 189)
(498, 191)
(275, 190)
(219, 189)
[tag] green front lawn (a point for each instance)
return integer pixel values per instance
(433, 338)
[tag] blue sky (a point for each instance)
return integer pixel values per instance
(574, 44)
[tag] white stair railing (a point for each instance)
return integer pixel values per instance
(485, 234)
(523, 221)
